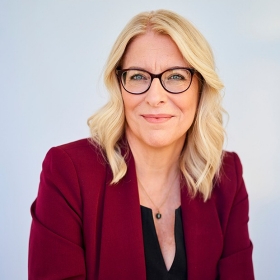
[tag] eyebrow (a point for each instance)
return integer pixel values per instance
(169, 68)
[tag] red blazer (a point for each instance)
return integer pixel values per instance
(83, 228)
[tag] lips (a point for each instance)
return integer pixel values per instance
(157, 118)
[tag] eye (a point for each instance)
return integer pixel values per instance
(137, 77)
(176, 77)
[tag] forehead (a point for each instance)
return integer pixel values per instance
(152, 51)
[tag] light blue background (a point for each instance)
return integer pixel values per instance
(51, 58)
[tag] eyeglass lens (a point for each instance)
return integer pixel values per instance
(173, 80)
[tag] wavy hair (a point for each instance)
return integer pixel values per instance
(201, 156)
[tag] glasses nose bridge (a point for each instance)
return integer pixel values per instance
(156, 76)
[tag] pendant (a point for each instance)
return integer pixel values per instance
(158, 215)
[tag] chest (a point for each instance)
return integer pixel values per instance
(162, 258)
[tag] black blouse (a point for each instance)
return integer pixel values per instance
(155, 266)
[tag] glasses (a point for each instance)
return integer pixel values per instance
(138, 81)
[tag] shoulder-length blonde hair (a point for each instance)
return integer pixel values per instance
(202, 154)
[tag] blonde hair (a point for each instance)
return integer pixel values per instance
(201, 156)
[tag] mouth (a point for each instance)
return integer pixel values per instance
(157, 118)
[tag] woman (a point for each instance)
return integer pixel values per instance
(151, 195)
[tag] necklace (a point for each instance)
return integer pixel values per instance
(158, 215)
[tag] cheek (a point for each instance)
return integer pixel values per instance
(131, 102)
(189, 104)
(126, 101)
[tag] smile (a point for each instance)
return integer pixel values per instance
(157, 118)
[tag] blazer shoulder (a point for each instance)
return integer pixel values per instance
(81, 152)
(85, 145)
(81, 157)
(78, 171)
(229, 187)
(231, 164)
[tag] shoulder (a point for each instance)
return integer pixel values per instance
(80, 160)
(76, 171)
(80, 147)
(229, 188)
(80, 153)
(231, 166)
(231, 171)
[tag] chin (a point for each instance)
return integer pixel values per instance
(161, 142)
(156, 139)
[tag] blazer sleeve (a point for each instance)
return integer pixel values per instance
(56, 249)
(236, 261)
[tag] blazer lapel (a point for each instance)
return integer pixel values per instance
(203, 236)
(122, 249)
(121, 246)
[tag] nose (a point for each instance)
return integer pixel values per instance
(156, 95)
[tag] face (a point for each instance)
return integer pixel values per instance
(158, 118)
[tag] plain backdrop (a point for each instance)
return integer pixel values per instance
(52, 55)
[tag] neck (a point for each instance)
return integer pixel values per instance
(156, 167)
